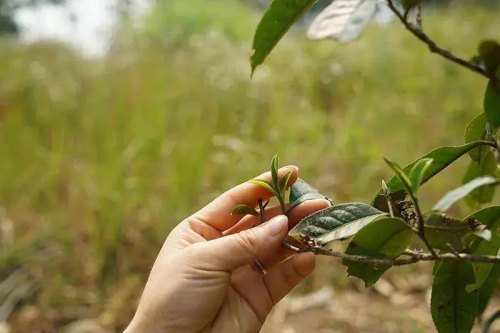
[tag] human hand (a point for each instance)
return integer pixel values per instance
(203, 279)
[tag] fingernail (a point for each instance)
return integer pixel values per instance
(276, 225)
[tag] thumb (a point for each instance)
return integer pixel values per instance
(230, 252)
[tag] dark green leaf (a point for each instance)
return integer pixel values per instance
(274, 172)
(487, 166)
(244, 210)
(492, 105)
(459, 193)
(453, 309)
(284, 183)
(441, 230)
(335, 223)
(383, 238)
(442, 157)
(490, 217)
(418, 171)
(301, 191)
(475, 131)
(263, 184)
(487, 289)
(277, 19)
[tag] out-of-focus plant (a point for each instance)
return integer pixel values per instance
(465, 250)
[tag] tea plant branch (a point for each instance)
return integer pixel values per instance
(414, 257)
(434, 48)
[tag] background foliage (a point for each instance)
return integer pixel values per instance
(101, 158)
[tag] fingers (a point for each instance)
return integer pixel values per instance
(218, 213)
(233, 251)
(284, 277)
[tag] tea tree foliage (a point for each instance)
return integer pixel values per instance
(391, 230)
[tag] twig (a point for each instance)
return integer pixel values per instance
(414, 257)
(434, 48)
(421, 225)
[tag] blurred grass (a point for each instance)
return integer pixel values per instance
(101, 158)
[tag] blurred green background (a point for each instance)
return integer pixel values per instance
(101, 157)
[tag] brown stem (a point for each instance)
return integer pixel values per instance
(434, 48)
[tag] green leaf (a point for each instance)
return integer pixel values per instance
(383, 238)
(441, 230)
(492, 105)
(487, 289)
(244, 210)
(284, 183)
(335, 223)
(274, 172)
(409, 4)
(459, 193)
(487, 166)
(476, 130)
(442, 157)
(453, 309)
(302, 191)
(418, 171)
(403, 176)
(277, 19)
(263, 184)
(490, 217)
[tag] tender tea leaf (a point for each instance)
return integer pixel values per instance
(334, 223)
(284, 183)
(274, 172)
(453, 309)
(276, 21)
(403, 176)
(244, 210)
(442, 157)
(441, 230)
(487, 289)
(263, 184)
(487, 166)
(476, 130)
(418, 171)
(302, 191)
(458, 194)
(490, 217)
(492, 105)
(383, 238)
(342, 20)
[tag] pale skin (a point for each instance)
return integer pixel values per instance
(205, 279)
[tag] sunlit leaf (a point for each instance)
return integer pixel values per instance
(492, 105)
(453, 309)
(459, 193)
(276, 21)
(490, 217)
(342, 20)
(263, 184)
(302, 191)
(442, 157)
(383, 238)
(335, 223)
(244, 210)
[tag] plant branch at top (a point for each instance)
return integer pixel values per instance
(435, 48)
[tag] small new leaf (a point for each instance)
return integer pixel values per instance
(418, 171)
(284, 183)
(402, 175)
(263, 184)
(244, 210)
(274, 172)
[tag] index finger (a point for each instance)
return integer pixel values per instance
(218, 215)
